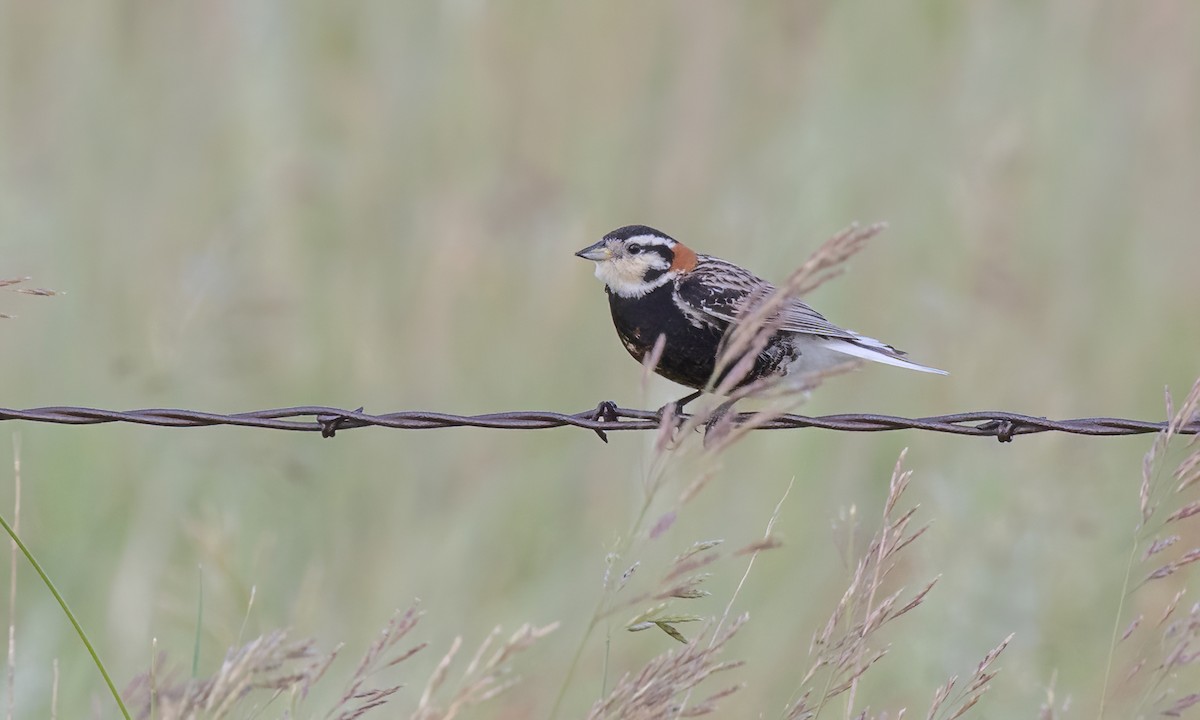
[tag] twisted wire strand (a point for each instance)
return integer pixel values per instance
(606, 417)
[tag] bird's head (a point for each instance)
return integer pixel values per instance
(635, 259)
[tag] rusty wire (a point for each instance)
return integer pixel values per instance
(606, 417)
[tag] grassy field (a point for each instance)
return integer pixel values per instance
(257, 204)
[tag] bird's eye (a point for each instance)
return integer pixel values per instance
(634, 249)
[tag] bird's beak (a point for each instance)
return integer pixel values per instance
(597, 252)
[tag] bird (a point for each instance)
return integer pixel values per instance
(657, 286)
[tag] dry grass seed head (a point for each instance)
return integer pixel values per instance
(11, 283)
(739, 349)
(980, 681)
(272, 663)
(746, 339)
(1188, 472)
(1166, 646)
(1183, 703)
(842, 649)
(483, 679)
(650, 361)
(1170, 608)
(355, 701)
(1158, 546)
(1152, 492)
(268, 662)
(654, 692)
(761, 314)
(1185, 475)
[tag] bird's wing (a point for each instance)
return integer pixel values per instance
(722, 290)
(796, 316)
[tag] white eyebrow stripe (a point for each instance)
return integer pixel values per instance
(655, 240)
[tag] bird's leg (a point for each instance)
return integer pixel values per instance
(677, 406)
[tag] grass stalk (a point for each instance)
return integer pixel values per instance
(62, 603)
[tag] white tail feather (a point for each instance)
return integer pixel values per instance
(883, 355)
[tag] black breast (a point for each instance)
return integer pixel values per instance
(690, 353)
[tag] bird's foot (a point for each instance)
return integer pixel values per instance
(676, 408)
(671, 410)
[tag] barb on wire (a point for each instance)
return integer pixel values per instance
(604, 418)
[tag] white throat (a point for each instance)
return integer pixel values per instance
(629, 287)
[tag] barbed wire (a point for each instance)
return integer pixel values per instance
(604, 418)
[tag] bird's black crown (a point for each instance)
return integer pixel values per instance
(624, 233)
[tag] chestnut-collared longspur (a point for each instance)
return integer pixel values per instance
(656, 286)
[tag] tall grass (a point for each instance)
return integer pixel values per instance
(272, 673)
(1158, 645)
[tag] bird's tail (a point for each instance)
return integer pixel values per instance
(875, 351)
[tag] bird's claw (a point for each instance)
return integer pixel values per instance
(676, 408)
(672, 408)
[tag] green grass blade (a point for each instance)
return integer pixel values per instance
(70, 616)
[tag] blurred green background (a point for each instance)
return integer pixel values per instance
(259, 204)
